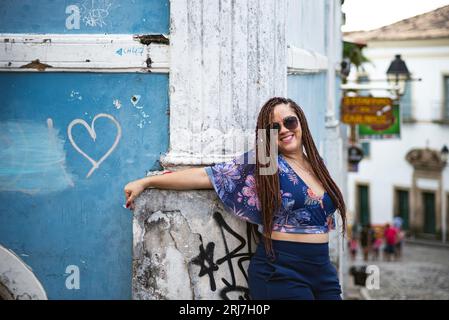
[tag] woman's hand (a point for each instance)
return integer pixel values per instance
(132, 191)
(187, 179)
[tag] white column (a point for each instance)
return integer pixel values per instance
(227, 58)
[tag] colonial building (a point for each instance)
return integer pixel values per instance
(408, 177)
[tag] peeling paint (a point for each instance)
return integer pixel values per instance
(152, 38)
(149, 62)
(144, 114)
(117, 104)
(36, 64)
(76, 95)
(135, 99)
(170, 227)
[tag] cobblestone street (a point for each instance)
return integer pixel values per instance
(422, 274)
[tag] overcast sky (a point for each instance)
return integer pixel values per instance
(372, 14)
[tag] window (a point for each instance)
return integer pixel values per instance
(446, 98)
(402, 207)
(363, 209)
(366, 149)
(428, 199)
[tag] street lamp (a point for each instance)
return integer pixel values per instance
(398, 74)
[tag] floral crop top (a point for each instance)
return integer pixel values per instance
(301, 212)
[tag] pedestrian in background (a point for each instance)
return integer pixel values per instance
(390, 235)
(376, 247)
(366, 240)
(353, 246)
(397, 222)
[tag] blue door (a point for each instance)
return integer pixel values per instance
(72, 135)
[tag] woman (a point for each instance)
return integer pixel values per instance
(293, 207)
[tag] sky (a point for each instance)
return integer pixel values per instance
(372, 14)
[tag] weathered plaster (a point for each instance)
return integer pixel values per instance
(183, 250)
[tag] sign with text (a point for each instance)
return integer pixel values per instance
(367, 110)
(391, 130)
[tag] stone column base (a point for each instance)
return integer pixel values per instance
(187, 247)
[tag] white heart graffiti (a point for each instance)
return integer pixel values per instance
(91, 130)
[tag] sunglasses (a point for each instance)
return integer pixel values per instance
(290, 122)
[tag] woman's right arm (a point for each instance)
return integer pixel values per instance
(188, 179)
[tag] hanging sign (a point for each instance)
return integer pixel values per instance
(367, 110)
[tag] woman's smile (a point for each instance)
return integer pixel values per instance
(288, 138)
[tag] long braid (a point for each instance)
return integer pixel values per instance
(267, 185)
(318, 165)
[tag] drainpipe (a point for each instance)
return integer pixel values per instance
(331, 121)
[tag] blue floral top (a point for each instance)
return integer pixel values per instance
(301, 212)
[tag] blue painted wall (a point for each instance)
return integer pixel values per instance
(53, 214)
(84, 16)
(310, 92)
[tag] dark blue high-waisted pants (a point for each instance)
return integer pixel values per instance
(299, 271)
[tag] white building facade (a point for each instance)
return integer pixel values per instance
(388, 182)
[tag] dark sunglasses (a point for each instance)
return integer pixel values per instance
(290, 122)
